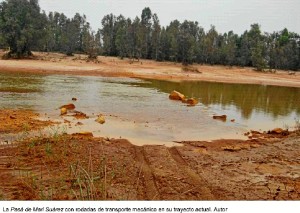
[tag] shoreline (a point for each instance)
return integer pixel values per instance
(54, 63)
(253, 169)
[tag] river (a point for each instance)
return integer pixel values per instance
(139, 110)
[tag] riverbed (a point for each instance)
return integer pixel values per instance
(140, 111)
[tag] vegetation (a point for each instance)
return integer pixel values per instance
(24, 28)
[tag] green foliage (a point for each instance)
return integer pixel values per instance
(24, 28)
(21, 26)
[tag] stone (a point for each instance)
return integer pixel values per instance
(192, 101)
(184, 101)
(174, 95)
(80, 115)
(68, 106)
(277, 131)
(74, 99)
(63, 111)
(100, 119)
(220, 117)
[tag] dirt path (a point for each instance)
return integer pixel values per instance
(62, 168)
(53, 63)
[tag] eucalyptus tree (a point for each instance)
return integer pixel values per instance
(155, 37)
(172, 33)
(145, 32)
(121, 42)
(22, 25)
(108, 32)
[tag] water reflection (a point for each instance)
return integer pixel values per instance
(140, 110)
(247, 98)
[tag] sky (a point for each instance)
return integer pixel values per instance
(225, 15)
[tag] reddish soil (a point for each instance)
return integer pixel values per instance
(14, 121)
(81, 167)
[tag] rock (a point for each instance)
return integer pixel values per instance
(80, 115)
(74, 99)
(63, 111)
(184, 101)
(68, 106)
(232, 120)
(100, 119)
(176, 96)
(255, 132)
(192, 101)
(247, 133)
(277, 131)
(12, 117)
(78, 124)
(220, 117)
(231, 148)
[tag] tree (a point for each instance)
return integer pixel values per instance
(258, 60)
(187, 42)
(145, 32)
(21, 25)
(211, 46)
(172, 33)
(155, 42)
(121, 36)
(109, 35)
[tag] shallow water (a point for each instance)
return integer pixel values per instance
(140, 110)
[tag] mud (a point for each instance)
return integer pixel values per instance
(81, 167)
(14, 121)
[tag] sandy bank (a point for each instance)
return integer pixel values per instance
(54, 63)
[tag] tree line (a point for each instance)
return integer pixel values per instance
(24, 27)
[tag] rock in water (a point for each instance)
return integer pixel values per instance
(68, 106)
(192, 101)
(100, 119)
(63, 111)
(220, 117)
(176, 96)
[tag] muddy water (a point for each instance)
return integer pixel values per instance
(141, 111)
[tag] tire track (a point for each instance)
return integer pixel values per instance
(150, 188)
(204, 191)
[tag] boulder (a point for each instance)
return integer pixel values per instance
(174, 95)
(68, 106)
(100, 119)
